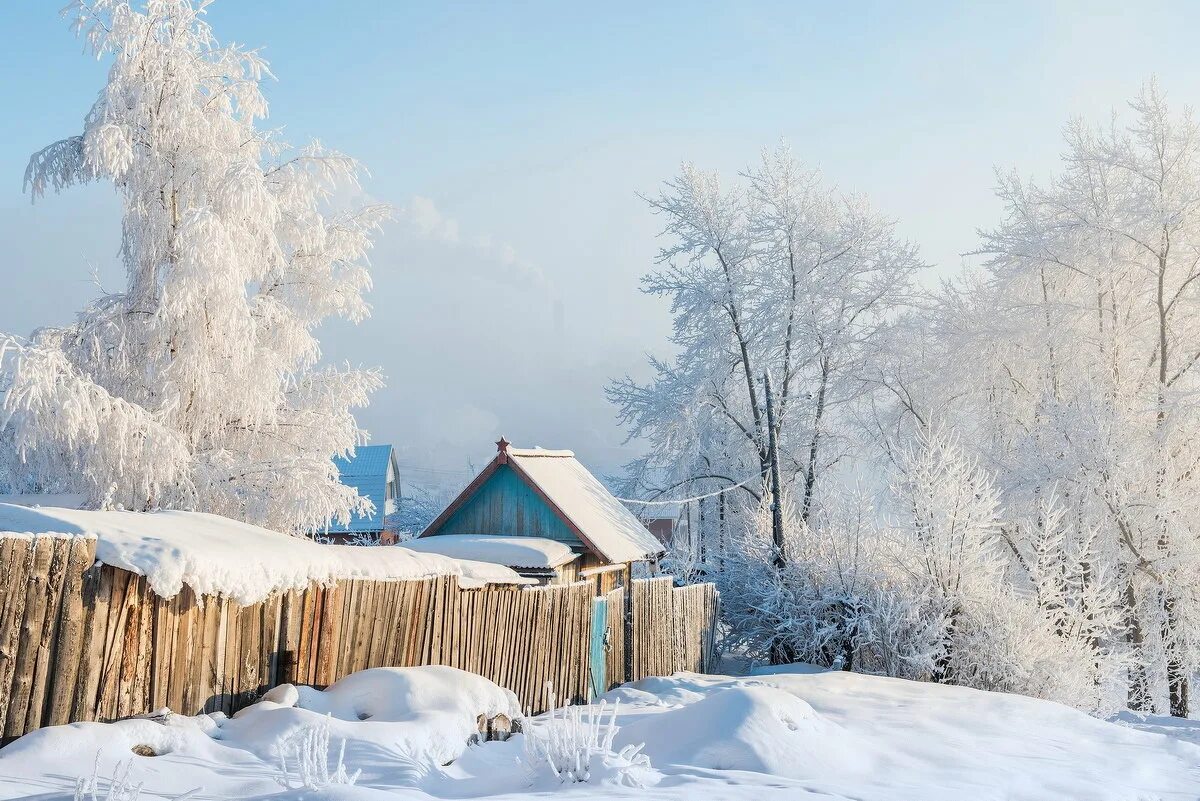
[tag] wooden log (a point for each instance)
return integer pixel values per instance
(164, 615)
(18, 557)
(121, 701)
(97, 599)
(186, 669)
(33, 619)
(145, 646)
(291, 611)
(48, 641)
(329, 636)
(351, 589)
(270, 645)
(68, 652)
(211, 623)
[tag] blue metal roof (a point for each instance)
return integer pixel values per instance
(368, 460)
(365, 471)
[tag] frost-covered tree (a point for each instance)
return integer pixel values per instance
(778, 275)
(199, 385)
(1078, 371)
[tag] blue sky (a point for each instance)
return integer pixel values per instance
(515, 136)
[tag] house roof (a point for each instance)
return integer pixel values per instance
(367, 460)
(598, 519)
(365, 471)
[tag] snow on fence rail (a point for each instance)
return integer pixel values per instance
(80, 640)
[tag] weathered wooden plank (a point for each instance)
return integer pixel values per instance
(48, 641)
(32, 621)
(68, 650)
(18, 557)
(122, 696)
(329, 636)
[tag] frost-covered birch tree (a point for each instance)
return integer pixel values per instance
(198, 386)
(777, 275)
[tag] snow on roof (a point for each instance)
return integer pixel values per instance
(529, 552)
(215, 555)
(606, 524)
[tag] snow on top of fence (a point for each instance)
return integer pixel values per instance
(217, 556)
(535, 552)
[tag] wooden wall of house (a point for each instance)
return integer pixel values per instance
(84, 641)
(507, 505)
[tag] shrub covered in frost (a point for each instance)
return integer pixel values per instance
(579, 748)
(307, 751)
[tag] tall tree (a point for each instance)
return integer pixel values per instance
(198, 386)
(778, 275)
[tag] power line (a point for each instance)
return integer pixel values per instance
(694, 498)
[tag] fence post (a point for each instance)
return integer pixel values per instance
(630, 643)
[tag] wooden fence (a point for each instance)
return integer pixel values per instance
(83, 641)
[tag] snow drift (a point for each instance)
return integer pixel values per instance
(750, 728)
(770, 737)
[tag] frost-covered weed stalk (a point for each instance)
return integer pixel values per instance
(198, 386)
(307, 750)
(118, 788)
(578, 749)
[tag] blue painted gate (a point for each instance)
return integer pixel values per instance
(598, 648)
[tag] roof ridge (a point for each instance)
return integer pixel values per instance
(544, 452)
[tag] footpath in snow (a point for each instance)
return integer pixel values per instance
(402, 733)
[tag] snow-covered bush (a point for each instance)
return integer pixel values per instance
(929, 591)
(307, 751)
(579, 748)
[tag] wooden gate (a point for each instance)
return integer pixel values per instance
(599, 647)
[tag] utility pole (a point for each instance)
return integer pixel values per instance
(773, 452)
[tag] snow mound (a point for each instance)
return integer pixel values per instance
(408, 694)
(748, 728)
(217, 556)
(429, 713)
(417, 719)
(533, 552)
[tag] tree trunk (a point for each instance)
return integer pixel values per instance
(1177, 677)
(781, 653)
(773, 453)
(810, 474)
(1138, 693)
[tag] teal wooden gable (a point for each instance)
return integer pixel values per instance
(505, 504)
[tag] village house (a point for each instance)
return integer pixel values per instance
(542, 513)
(373, 471)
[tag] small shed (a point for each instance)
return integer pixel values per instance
(548, 495)
(373, 471)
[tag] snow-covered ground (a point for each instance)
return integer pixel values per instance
(798, 734)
